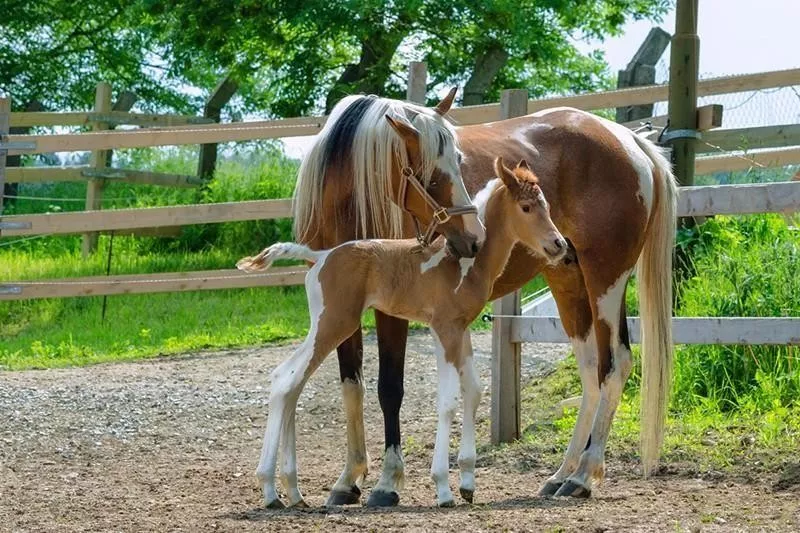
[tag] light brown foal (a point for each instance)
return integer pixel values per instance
(432, 287)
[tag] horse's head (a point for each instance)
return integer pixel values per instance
(427, 183)
(525, 210)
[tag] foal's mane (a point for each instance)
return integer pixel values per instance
(358, 144)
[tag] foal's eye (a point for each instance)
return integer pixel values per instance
(526, 208)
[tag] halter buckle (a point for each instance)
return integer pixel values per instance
(441, 215)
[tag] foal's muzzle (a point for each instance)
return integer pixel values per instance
(463, 244)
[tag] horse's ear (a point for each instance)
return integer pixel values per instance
(447, 102)
(523, 164)
(505, 174)
(404, 129)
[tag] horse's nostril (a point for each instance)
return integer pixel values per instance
(560, 243)
(475, 247)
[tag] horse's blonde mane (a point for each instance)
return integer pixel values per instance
(376, 146)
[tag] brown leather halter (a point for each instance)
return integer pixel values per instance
(440, 214)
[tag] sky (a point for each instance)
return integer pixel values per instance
(736, 37)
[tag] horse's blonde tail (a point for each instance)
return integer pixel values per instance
(655, 307)
(307, 197)
(281, 250)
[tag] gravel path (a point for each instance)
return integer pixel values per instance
(172, 443)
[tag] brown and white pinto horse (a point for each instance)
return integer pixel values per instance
(613, 197)
(431, 287)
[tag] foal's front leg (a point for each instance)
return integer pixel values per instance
(448, 351)
(471, 389)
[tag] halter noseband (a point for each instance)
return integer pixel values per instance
(440, 214)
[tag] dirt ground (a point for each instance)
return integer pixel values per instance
(171, 444)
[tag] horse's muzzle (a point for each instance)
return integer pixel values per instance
(463, 245)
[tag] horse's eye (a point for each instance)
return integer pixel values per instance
(526, 208)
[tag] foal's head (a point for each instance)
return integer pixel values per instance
(433, 159)
(525, 211)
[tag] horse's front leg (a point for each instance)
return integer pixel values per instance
(471, 389)
(392, 337)
(448, 351)
(346, 490)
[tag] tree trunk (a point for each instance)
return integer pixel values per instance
(487, 66)
(369, 75)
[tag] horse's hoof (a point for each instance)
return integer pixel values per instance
(467, 494)
(379, 498)
(550, 488)
(447, 503)
(576, 490)
(276, 504)
(344, 497)
(300, 504)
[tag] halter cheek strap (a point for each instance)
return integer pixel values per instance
(440, 214)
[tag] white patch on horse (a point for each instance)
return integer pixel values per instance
(355, 469)
(393, 474)
(482, 197)
(608, 305)
(433, 261)
(465, 263)
(448, 164)
(642, 164)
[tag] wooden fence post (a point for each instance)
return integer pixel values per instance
(220, 96)
(506, 355)
(642, 71)
(683, 67)
(5, 120)
(417, 82)
(99, 160)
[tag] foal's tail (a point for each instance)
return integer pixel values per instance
(655, 306)
(281, 250)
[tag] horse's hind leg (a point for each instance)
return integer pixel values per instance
(392, 337)
(572, 299)
(614, 367)
(346, 490)
(471, 390)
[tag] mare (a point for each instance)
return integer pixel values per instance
(612, 195)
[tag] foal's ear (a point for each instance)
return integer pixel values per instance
(505, 174)
(523, 164)
(447, 102)
(403, 128)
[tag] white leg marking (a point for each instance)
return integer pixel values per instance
(609, 303)
(586, 356)
(287, 383)
(355, 470)
(289, 452)
(471, 389)
(393, 474)
(433, 261)
(447, 405)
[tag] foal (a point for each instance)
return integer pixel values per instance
(430, 287)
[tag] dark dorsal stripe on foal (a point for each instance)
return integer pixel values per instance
(339, 143)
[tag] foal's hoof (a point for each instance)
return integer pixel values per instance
(550, 488)
(344, 497)
(276, 504)
(300, 504)
(379, 498)
(576, 490)
(447, 503)
(467, 494)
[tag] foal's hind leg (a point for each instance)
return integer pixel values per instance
(346, 490)
(615, 362)
(572, 299)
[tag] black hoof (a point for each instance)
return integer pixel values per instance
(379, 498)
(276, 504)
(448, 503)
(467, 494)
(344, 497)
(550, 488)
(570, 488)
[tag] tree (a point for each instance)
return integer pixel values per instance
(293, 57)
